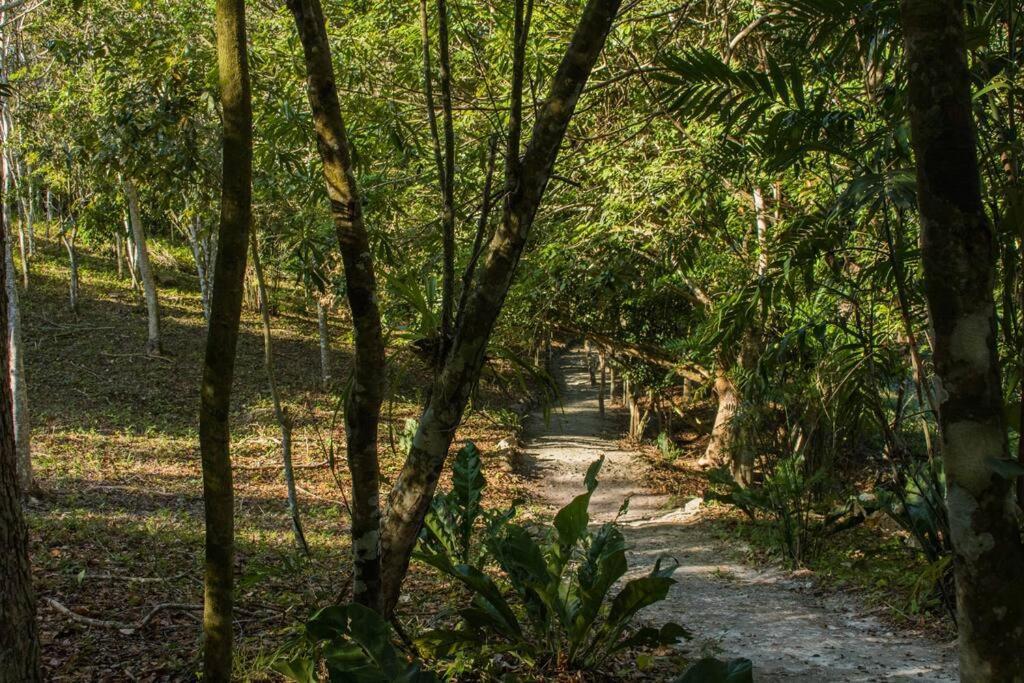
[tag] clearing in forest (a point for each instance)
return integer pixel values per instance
(790, 631)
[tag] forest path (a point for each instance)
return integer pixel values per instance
(789, 632)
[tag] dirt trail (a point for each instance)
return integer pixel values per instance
(790, 633)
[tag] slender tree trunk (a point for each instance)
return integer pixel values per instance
(603, 385)
(117, 256)
(69, 237)
(16, 357)
(283, 420)
(411, 494)
(322, 310)
(130, 253)
(362, 407)
(30, 214)
(222, 337)
(590, 363)
(23, 246)
(958, 254)
(19, 640)
(153, 343)
(201, 258)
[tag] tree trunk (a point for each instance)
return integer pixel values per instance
(719, 446)
(958, 254)
(590, 363)
(529, 174)
(16, 357)
(153, 343)
(279, 412)
(117, 256)
(130, 253)
(69, 237)
(325, 341)
(222, 337)
(362, 407)
(19, 641)
(603, 366)
(23, 247)
(201, 257)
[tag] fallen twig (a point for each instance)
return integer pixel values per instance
(120, 625)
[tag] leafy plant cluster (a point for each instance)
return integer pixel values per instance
(539, 600)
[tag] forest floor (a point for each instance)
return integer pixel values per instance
(117, 522)
(792, 628)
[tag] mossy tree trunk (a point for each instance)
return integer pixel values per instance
(958, 253)
(222, 337)
(362, 407)
(528, 174)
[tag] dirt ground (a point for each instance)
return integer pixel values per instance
(779, 620)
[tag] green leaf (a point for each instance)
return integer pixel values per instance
(300, 670)
(711, 670)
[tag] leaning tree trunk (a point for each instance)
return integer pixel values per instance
(527, 179)
(222, 337)
(280, 414)
(362, 406)
(958, 254)
(153, 342)
(19, 641)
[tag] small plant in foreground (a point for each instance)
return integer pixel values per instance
(550, 608)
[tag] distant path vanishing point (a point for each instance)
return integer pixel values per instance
(766, 615)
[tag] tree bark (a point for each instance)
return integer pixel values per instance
(19, 641)
(958, 254)
(603, 385)
(719, 446)
(16, 354)
(362, 407)
(280, 414)
(222, 337)
(69, 237)
(153, 343)
(412, 492)
(322, 310)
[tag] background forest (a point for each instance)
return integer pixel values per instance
(732, 232)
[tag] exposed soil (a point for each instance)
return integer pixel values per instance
(777, 619)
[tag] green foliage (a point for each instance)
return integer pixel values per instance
(354, 644)
(552, 603)
(785, 498)
(711, 670)
(453, 516)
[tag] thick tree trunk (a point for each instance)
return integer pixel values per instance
(958, 253)
(222, 337)
(153, 343)
(280, 414)
(322, 310)
(19, 641)
(410, 497)
(362, 407)
(719, 449)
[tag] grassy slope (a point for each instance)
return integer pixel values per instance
(116, 456)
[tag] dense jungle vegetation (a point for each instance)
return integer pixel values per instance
(283, 281)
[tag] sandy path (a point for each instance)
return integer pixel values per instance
(789, 633)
